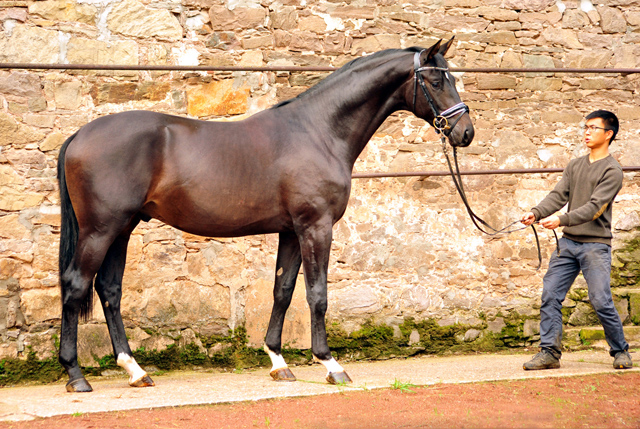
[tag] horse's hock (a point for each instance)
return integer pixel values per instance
(408, 271)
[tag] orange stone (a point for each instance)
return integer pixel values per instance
(217, 99)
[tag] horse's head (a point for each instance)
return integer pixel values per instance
(434, 98)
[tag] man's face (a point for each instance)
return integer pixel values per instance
(595, 134)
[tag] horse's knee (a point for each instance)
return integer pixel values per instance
(318, 307)
(282, 301)
(110, 298)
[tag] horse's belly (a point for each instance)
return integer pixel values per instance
(231, 219)
(267, 226)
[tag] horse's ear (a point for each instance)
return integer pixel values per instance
(444, 48)
(432, 51)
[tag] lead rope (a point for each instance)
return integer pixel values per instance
(457, 180)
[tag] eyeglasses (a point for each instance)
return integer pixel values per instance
(593, 128)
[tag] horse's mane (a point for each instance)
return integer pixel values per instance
(368, 61)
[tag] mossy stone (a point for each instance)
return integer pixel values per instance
(634, 308)
(591, 334)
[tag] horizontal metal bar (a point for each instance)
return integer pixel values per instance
(132, 67)
(467, 173)
(126, 67)
(544, 70)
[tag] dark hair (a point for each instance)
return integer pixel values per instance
(610, 121)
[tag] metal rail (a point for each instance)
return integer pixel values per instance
(468, 173)
(132, 67)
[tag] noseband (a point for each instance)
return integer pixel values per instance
(441, 119)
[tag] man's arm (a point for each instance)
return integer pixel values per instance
(601, 197)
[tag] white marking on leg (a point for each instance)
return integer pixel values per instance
(280, 271)
(332, 365)
(131, 366)
(276, 359)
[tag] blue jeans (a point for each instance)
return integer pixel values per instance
(594, 259)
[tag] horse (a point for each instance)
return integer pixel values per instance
(284, 170)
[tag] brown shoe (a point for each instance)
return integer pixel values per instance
(622, 360)
(543, 360)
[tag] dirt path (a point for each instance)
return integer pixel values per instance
(591, 401)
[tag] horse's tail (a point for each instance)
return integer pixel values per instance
(69, 232)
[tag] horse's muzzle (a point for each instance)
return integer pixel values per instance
(462, 134)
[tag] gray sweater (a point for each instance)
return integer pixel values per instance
(589, 188)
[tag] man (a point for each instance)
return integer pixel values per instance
(589, 185)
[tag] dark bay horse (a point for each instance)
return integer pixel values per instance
(285, 170)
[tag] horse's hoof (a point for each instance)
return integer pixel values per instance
(339, 378)
(282, 374)
(145, 381)
(79, 385)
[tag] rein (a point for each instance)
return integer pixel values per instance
(457, 180)
(442, 127)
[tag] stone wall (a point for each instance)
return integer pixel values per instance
(405, 248)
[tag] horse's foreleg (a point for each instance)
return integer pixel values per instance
(315, 244)
(109, 288)
(287, 268)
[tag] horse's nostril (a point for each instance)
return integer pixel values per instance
(468, 136)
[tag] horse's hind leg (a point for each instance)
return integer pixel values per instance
(76, 285)
(287, 268)
(109, 288)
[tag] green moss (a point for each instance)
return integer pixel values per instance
(31, 369)
(589, 335)
(108, 361)
(56, 341)
(173, 357)
(438, 339)
(370, 342)
(378, 341)
(578, 294)
(634, 308)
(234, 354)
(104, 363)
(512, 334)
(625, 270)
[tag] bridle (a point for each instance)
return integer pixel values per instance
(442, 127)
(441, 119)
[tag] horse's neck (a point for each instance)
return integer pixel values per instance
(356, 106)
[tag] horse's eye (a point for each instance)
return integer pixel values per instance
(435, 84)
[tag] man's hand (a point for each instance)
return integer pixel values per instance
(551, 222)
(528, 218)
